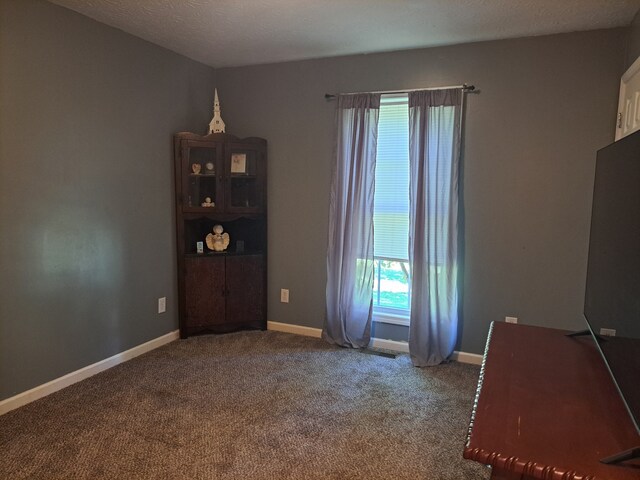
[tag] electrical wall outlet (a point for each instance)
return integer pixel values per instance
(511, 319)
(284, 295)
(608, 332)
(162, 304)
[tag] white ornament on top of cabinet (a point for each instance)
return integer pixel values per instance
(216, 125)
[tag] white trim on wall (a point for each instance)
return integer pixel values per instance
(69, 379)
(464, 357)
(393, 345)
(295, 329)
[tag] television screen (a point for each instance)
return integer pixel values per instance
(612, 296)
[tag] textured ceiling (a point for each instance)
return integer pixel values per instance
(225, 33)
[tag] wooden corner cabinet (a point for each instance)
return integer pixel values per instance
(221, 180)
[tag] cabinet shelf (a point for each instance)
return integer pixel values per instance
(228, 253)
(212, 213)
(200, 209)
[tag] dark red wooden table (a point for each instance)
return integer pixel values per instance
(547, 409)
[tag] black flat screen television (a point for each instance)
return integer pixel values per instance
(612, 295)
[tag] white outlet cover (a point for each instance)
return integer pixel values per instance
(162, 304)
(511, 319)
(608, 332)
(284, 295)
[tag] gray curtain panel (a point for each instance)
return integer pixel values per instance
(350, 265)
(434, 151)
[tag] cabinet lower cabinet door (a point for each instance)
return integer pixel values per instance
(224, 293)
(204, 291)
(245, 290)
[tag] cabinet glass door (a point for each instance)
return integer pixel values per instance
(201, 177)
(244, 179)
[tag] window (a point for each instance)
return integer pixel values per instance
(391, 289)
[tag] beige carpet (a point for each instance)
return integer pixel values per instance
(249, 405)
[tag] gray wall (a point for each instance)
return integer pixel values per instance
(87, 235)
(633, 45)
(546, 104)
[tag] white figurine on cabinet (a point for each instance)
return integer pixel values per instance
(208, 202)
(216, 125)
(217, 241)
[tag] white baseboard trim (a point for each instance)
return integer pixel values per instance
(393, 345)
(69, 379)
(295, 329)
(464, 357)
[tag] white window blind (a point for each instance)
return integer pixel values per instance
(391, 201)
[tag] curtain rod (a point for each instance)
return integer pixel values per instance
(464, 87)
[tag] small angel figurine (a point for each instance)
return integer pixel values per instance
(208, 203)
(217, 241)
